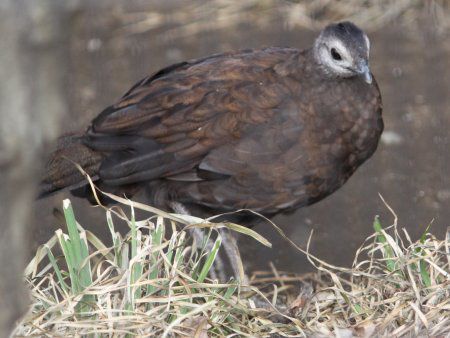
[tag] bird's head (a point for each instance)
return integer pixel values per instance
(342, 50)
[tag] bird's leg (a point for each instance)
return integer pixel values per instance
(217, 271)
(234, 257)
(228, 243)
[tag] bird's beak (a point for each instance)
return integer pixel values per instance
(364, 71)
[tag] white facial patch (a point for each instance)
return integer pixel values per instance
(338, 67)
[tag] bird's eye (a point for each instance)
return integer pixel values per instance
(335, 54)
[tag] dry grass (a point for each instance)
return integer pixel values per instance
(154, 282)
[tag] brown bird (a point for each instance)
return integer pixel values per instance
(269, 129)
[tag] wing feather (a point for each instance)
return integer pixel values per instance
(184, 112)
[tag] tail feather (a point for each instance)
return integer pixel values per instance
(61, 171)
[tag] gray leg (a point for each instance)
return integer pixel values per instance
(234, 257)
(217, 271)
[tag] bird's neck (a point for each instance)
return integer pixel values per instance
(309, 65)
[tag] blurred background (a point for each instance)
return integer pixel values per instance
(113, 44)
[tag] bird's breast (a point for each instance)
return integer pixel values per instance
(340, 129)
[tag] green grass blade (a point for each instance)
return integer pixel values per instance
(74, 235)
(137, 269)
(425, 233)
(68, 255)
(156, 239)
(85, 264)
(229, 292)
(425, 276)
(424, 273)
(115, 237)
(58, 273)
(210, 260)
(388, 252)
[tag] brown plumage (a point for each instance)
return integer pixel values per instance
(270, 129)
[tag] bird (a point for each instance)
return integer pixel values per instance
(271, 129)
